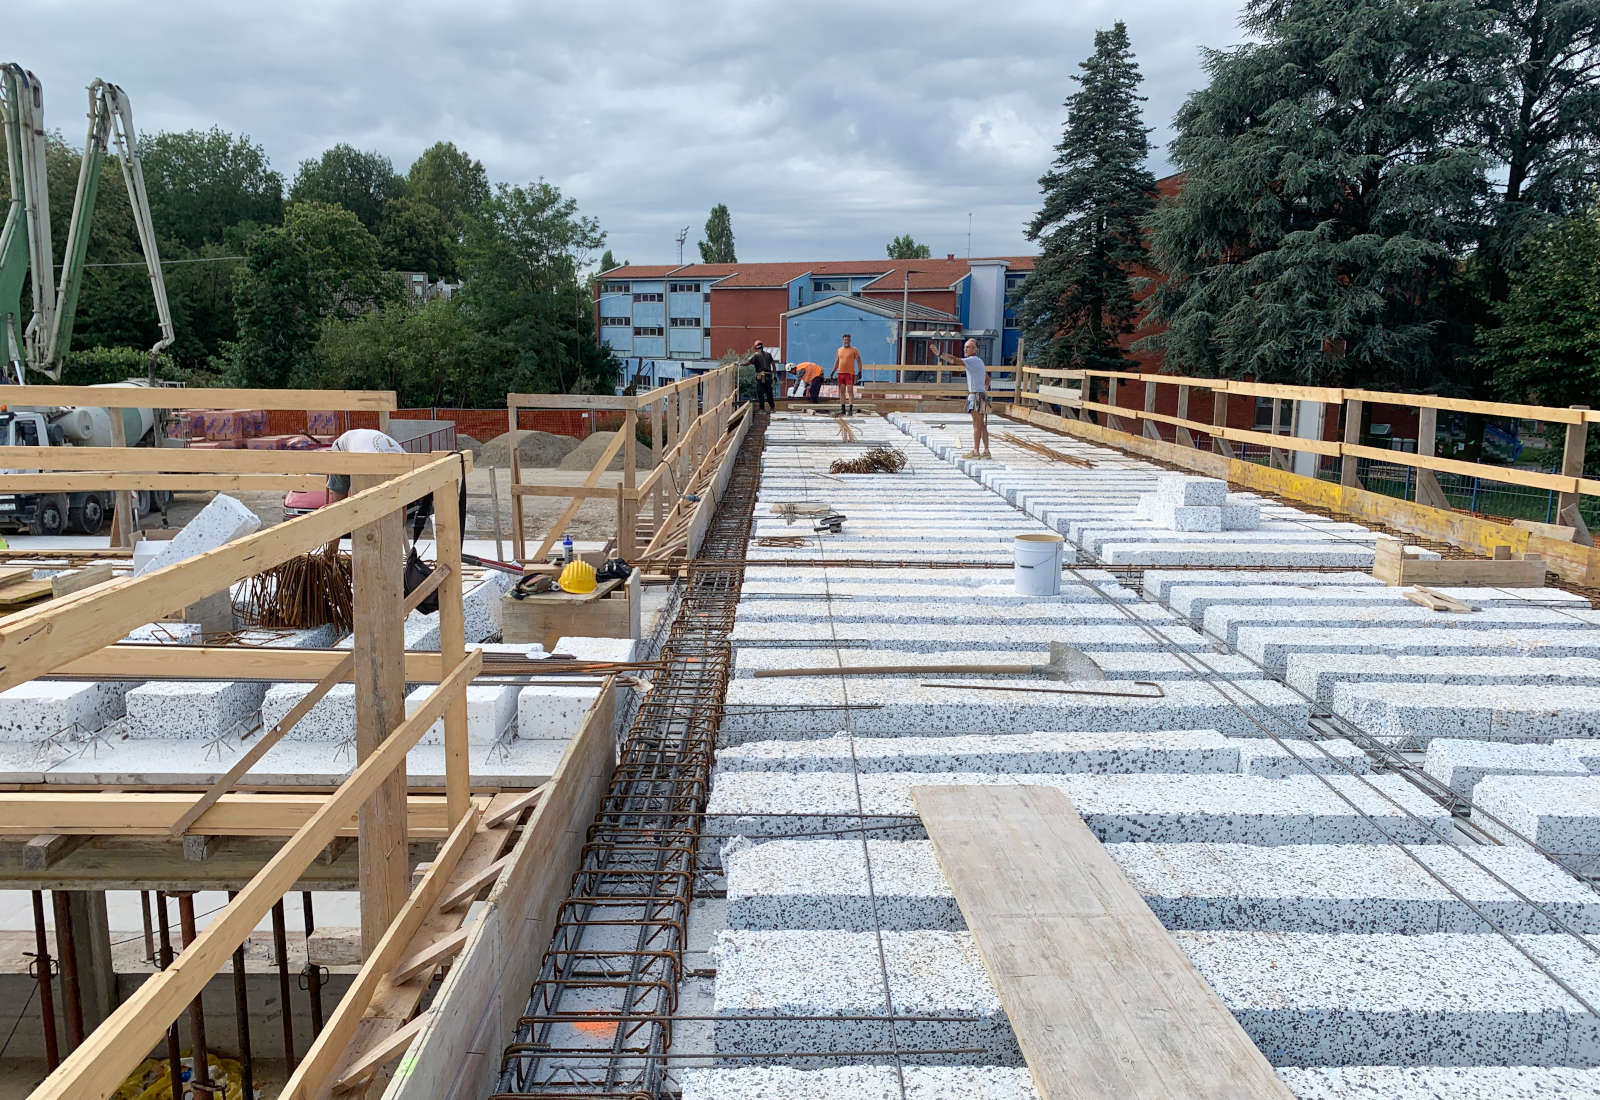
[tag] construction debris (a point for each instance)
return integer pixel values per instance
(309, 591)
(1045, 452)
(879, 460)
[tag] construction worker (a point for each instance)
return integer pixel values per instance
(765, 369)
(358, 441)
(977, 395)
(846, 369)
(811, 377)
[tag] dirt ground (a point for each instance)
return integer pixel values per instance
(596, 519)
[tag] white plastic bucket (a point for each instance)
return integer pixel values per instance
(1036, 564)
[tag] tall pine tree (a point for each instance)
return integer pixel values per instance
(1329, 196)
(717, 248)
(1080, 299)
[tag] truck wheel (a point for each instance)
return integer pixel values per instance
(52, 519)
(90, 516)
(145, 502)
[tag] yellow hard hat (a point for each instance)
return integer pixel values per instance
(577, 577)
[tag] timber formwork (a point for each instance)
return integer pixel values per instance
(598, 1020)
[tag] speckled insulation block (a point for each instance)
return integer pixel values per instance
(888, 707)
(1439, 1082)
(1559, 813)
(43, 708)
(1583, 749)
(1438, 999)
(1159, 586)
(766, 979)
(1365, 888)
(1240, 515)
(1224, 620)
(597, 649)
(1460, 764)
(220, 521)
(165, 633)
(197, 709)
(1316, 674)
(547, 711)
(947, 616)
(1155, 808)
(1103, 753)
(1274, 760)
(331, 719)
(1116, 664)
(1182, 489)
(822, 883)
(491, 713)
(1272, 645)
(1486, 712)
(1265, 555)
(858, 1082)
(894, 637)
(1193, 600)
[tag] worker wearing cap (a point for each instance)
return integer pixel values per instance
(359, 441)
(765, 368)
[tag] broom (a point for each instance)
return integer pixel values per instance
(308, 591)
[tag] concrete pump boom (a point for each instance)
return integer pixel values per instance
(42, 346)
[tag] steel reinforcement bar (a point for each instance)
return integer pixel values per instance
(599, 1019)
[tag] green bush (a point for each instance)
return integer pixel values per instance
(95, 366)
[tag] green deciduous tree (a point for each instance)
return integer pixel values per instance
(451, 182)
(203, 181)
(717, 248)
(1079, 301)
(422, 352)
(1546, 349)
(904, 248)
(523, 300)
(342, 257)
(413, 236)
(276, 307)
(361, 182)
(1329, 196)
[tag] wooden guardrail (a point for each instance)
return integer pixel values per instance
(686, 418)
(80, 632)
(1430, 515)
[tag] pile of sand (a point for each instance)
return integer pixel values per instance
(587, 453)
(535, 449)
(465, 442)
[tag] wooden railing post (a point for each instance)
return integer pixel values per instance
(452, 649)
(1352, 438)
(1219, 420)
(1184, 436)
(1572, 453)
(519, 542)
(1149, 426)
(379, 556)
(627, 504)
(1429, 491)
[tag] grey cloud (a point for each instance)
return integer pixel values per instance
(827, 128)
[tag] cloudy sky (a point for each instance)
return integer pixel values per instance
(826, 128)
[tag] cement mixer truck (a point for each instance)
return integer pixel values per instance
(79, 426)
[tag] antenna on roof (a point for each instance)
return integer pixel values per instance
(683, 235)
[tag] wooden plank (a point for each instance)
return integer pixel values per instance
(46, 850)
(65, 584)
(36, 641)
(1506, 474)
(275, 663)
(182, 460)
(194, 483)
(311, 1076)
(1573, 450)
(1327, 394)
(1545, 414)
(1279, 441)
(571, 509)
(25, 593)
(423, 961)
(152, 813)
(373, 1058)
(181, 397)
(504, 813)
(1424, 596)
(15, 574)
(600, 401)
(452, 644)
(106, 1057)
(462, 893)
(577, 492)
(1103, 1001)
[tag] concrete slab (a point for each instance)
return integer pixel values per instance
(1316, 674)
(858, 1082)
(1417, 713)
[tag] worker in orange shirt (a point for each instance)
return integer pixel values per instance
(811, 378)
(846, 369)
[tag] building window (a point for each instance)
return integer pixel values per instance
(616, 322)
(649, 330)
(706, 297)
(830, 286)
(655, 297)
(686, 322)
(611, 286)
(684, 288)
(1014, 323)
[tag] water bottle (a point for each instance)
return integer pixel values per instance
(567, 553)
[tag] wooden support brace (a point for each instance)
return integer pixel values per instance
(472, 886)
(45, 851)
(425, 960)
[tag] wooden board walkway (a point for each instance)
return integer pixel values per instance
(1103, 1001)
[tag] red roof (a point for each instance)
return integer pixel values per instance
(931, 274)
(640, 271)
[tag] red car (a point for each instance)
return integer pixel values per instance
(300, 502)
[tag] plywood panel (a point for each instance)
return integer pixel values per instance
(1103, 1001)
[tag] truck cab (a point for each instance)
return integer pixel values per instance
(52, 513)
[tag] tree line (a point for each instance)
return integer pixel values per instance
(276, 286)
(1395, 194)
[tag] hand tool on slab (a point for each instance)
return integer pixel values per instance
(1066, 663)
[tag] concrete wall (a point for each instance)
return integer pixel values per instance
(739, 317)
(816, 335)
